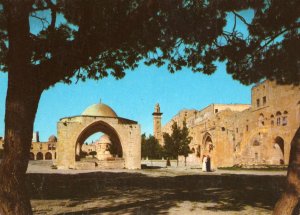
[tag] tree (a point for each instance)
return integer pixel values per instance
(178, 142)
(268, 51)
(184, 148)
(151, 147)
(93, 153)
(98, 38)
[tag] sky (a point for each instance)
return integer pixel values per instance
(135, 96)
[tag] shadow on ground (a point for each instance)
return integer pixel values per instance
(133, 193)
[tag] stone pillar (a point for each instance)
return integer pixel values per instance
(157, 124)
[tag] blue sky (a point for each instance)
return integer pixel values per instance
(135, 95)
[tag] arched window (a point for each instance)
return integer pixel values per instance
(278, 118)
(48, 156)
(284, 118)
(272, 120)
(261, 120)
(39, 156)
(31, 156)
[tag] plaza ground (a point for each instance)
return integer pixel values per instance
(152, 191)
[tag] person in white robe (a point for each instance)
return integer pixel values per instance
(204, 161)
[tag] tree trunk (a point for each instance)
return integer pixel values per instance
(22, 100)
(289, 199)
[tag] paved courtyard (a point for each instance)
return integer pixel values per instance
(152, 191)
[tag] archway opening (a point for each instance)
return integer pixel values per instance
(208, 144)
(31, 156)
(279, 146)
(39, 156)
(48, 156)
(98, 141)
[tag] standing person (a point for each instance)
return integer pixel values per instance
(208, 169)
(204, 161)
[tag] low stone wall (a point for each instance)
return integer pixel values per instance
(163, 163)
(105, 164)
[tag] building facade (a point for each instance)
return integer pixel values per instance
(39, 150)
(242, 134)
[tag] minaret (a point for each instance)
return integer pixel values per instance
(157, 124)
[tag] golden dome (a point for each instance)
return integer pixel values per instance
(99, 110)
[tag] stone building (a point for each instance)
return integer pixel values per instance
(241, 134)
(124, 136)
(157, 124)
(120, 147)
(40, 150)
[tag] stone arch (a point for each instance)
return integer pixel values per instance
(207, 143)
(99, 126)
(278, 118)
(261, 120)
(48, 156)
(31, 156)
(272, 119)
(278, 153)
(39, 156)
(285, 118)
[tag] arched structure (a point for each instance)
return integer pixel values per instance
(39, 156)
(207, 144)
(278, 155)
(124, 134)
(31, 156)
(48, 156)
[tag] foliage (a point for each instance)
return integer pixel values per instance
(93, 153)
(99, 38)
(151, 147)
(178, 142)
(114, 149)
(184, 148)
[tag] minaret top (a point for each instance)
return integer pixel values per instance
(157, 110)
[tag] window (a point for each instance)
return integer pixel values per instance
(272, 119)
(284, 118)
(264, 100)
(216, 110)
(256, 156)
(237, 130)
(261, 119)
(278, 118)
(257, 102)
(247, 128)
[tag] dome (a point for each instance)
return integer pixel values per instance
(52, 138)
(104, 139)
(99, 110)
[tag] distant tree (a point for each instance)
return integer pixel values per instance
(151, 147)
(184, 148)
(93, 153)
(178, 142)
(143, 146)
(114, 149)
(83, 154)
(169, 148)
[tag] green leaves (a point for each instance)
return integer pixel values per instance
(178, 142)
(151, 148)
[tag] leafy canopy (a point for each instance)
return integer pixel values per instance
(92, 39)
